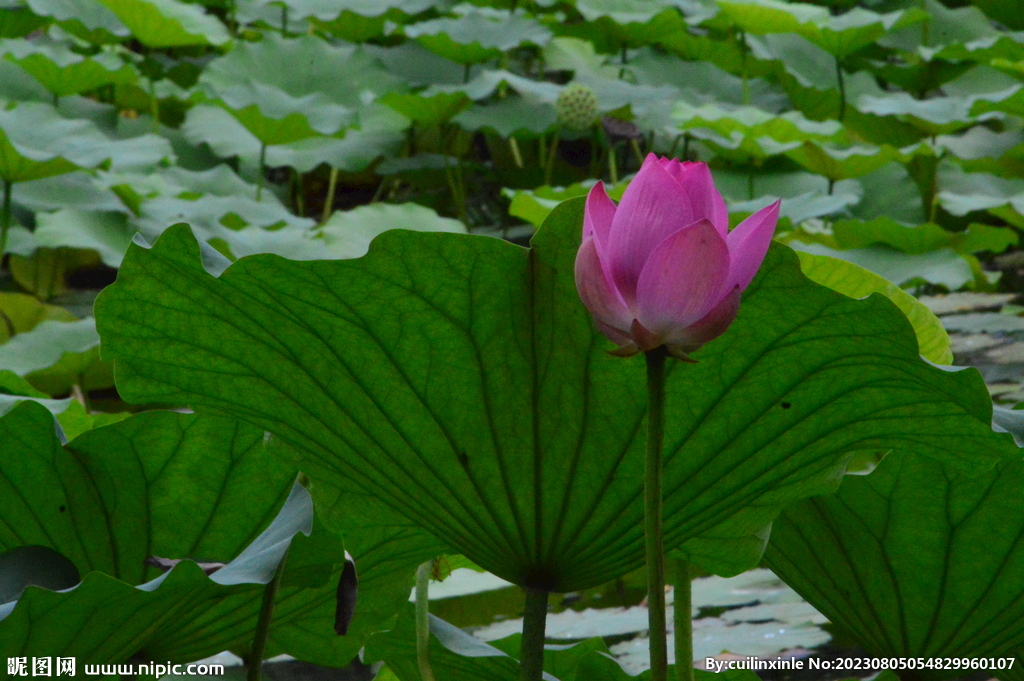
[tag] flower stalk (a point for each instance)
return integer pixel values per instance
(653, 534)
(423, 621)
(682, 617)
(266, 616)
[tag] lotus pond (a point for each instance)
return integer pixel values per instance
(294, 363)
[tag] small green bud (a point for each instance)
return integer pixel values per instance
(576, 107)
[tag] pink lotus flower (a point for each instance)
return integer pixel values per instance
(662, 268)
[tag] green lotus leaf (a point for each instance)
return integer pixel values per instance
(168, 23)
(631, 22)
(107, 233)
(64, 72)
(428, 110)
(893, 559)
(114, 497)
(508, 116)
(1007, 12)
(327, 10)
(85, 19)
(890, 192)
(856, 282)
(76, 191)
(922, 238)
(21, 312)
(961, 193)
(348, 233)
(449, 349)
(37, 142)
(56, 355)
(840, 35)
(842, 164)
(936, 116)
(1010, 100)
(18, 22)
(944, 266)
(477, 36)
(276, 70)
(381, 132)
(751, 122)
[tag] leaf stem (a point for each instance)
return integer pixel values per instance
(613, 164)
(262, 635)
(531, 652)
(653, 536)
(549, 164)
(682, 617)
(842, 89)
(5, 217)
(262, 171)
(423, 621)
(513, 146)
(332, 186)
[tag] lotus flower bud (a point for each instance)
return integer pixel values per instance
(576, 106)
(662, 267)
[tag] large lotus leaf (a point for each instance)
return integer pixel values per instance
(840, 35)
(428, 109)
(325, 10)
(280, 76)
(168, 23)
(750, 122)
(936, 116)
(913, 560)
(1010, 13)
(177, 486)
(37, 142)
(1009, 100)
(85, 19)
(18, 22)
(946, 26)
(438, 389)
(922, 238)
(107, 233)
(842, 164)
(961, 193)
(77, 191)
(56, 355)
(348, 233)
(381, 132)
(633, 22)
(856, 282)
(64, 72)
(890, 192)
(21, 312)
(944, 266)
(702, 82)
(508, 116)
(477, 36)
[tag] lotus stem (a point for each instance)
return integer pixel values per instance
(549, 164)
(259, 639)
(635, 146)
(682, 618)
(842, 89)
(513, 146)
(531, 652)
(745, 74)
(423, 621)
(653, 533)
(613, 164)
(5, 217)
(332, 186)
(262, 171)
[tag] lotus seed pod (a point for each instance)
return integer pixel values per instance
(576, 107)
